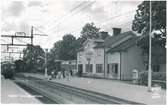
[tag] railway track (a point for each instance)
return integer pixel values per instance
(64, 94)
(39, 96)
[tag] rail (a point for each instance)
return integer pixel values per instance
(67, 94)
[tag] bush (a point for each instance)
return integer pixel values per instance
(157, 78)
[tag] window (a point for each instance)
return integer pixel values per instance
(98, 51)
(99, 68)
(89, 68)
(80, 69)
(156, 68)
(112, 68)
(108, 68)
(115, 68)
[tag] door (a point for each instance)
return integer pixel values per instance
(80, 69)
(112, 70)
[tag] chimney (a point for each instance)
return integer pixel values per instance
(116, 31)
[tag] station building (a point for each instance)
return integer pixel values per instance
(113, 58)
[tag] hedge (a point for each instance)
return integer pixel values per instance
(158, 78)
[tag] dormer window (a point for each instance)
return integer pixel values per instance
(98, 51)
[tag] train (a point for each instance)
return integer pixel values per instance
(7, 70)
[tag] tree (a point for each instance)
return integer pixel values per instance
(31, 57)
(19, 65)
(141, 20)
(104, 35)
(64, 49)
(90, 31)
(141, 24)
(68, 47)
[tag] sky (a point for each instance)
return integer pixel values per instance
(59, 17)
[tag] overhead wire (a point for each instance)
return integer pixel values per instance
(71, 11)
(58, 22)
(4, 40)
(115, 17)
(51, 22)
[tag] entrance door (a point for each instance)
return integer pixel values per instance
(112, 70)
(80, 69)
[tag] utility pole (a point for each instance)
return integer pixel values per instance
(149, 62)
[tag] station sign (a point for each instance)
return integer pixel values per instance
(20, 34)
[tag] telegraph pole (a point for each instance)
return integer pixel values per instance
(149, 62)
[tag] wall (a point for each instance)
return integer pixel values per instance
(96, 58)
(113, 58)
(131, 59)
(162, 67)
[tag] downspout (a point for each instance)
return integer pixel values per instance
(120, 65)
(104, 62)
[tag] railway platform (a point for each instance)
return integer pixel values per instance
(13, 94)
(114, 88)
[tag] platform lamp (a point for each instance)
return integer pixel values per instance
(46, 70)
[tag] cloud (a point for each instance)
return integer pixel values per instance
(16, 8)
(8, 27)
(24, 27)
(12, 24)
(58, 17)
(34, 3)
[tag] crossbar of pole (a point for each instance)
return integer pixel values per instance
(14, 44)
(14, 36)
(41, 34)
(13, 52)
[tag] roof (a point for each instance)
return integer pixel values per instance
(99, 46)
(80, 49)
(95, 40)
(112, 39)
(99, 40)
(109, 41)
(124, 45)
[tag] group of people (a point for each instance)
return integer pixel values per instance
(62, 74)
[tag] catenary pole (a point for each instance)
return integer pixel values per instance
(149, 62)
(31, 35)
(46, 71)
